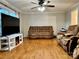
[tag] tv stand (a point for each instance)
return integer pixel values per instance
(11, 41)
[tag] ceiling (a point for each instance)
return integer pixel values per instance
(26, 5)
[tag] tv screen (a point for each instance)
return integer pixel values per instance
(10, 25)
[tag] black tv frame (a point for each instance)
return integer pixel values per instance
(13, 28)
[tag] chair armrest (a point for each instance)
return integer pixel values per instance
(76, 52)
(68, 34)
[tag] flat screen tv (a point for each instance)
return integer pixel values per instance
(10, 24)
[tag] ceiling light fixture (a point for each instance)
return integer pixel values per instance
(41, 8)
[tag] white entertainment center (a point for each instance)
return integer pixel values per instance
(9, 24)
(10, 41)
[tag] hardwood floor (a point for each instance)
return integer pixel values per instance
(36, 49)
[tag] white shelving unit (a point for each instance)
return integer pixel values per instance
(11, 41)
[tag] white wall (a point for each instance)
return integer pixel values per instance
(38, 20)
(68, 19)
(24, 24)
(72, 16)
(42, 19)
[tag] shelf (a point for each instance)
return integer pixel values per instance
(11, 41)
(5, 48)
(3, 38)
(4, 43)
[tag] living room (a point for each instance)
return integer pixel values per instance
(33, 42)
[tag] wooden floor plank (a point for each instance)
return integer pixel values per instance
(36, 49)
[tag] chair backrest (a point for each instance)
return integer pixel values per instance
(74, 29)
(41, 28)
(77, 34)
